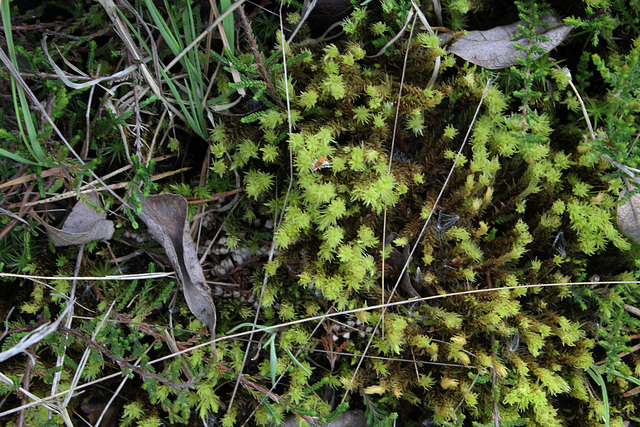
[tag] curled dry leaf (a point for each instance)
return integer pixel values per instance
(83, 225)
(166, 218)
(628, 216)
(494, 49)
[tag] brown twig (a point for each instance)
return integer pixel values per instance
(125, 364)
(632, 392)
(215, 197)
(23, 211)
(623, 354)
(26, 382)
(26, 178)
(243, 379)
(85, 189)
(631, 309)
(258, 57)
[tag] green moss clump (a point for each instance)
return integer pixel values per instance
(349, 175)
(529, 209)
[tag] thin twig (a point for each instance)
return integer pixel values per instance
(26, 382)
(396, 37)
(307, 8)
(67, 323)
(253, 43)
(86, 189)
(141, 276)
(84, 151)
(584, 109)
(395, 304)
(494, 403)
(391, 150)
(123, 363)
(36, 103)
(631, 309)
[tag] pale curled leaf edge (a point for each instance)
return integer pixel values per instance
(483, 49)
(628, 217)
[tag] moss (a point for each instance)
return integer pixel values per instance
(529, 203)
(511, 195)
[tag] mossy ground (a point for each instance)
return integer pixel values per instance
(351, 183)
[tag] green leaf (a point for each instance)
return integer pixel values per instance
(273, 362)
(15, 157)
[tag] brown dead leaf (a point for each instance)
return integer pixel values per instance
(166, 218)
(494, 49)
(83, 225)
(628, 216)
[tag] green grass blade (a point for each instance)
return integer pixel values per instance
(300, 365)
(195, 96)
(227, 24)
(189, 117)
(195, 73)
(30, 137)
(596, 375)
(190, 107)
(174, 24)
(174, 44)
(273, 361)
(15, 157)
(634, 380)
(189, 30)
(266, 329)
(135, 32)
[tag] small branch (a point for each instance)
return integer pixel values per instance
(633, 310)
(256, 54)
(86, 189)
(26, 382)
(124, 364)
(494, 403)
(584, 109)
(67, 323)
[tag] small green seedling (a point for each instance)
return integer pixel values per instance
(273, 360)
